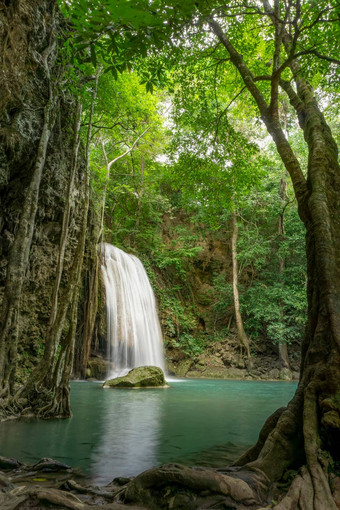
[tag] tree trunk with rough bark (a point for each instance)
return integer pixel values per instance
(241, 334)
(90, 312)
(307, 433)
(66, 218)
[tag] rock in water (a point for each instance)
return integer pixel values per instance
(140, 377)
(6, 463)
(50, 465)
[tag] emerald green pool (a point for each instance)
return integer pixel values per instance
(123, 432)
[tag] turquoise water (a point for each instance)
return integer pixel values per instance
(123, 432)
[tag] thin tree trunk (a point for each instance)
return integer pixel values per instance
(92, 297)
(66, 215)
(108, 165)
(283, 347)
(283, 354)
(90, 312)
(241, 334)
(140, 192)
(49, 352)
(107, 177)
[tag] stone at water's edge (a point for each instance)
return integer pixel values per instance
(97, 368)
(140, 377)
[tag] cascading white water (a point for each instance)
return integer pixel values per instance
(134, 335)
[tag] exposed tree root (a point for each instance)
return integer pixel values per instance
(54, 489)
(177, 486)
(38, 497)
(308, 492)
(39, 401)
(168, 487)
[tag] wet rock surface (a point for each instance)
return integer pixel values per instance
(140, 377)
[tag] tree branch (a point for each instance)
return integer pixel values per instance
(323, 57)
(318, 18)
(225, 110)
(109, 164)
(274, 91)
(238, 62)
(271, 121)
(294, 99)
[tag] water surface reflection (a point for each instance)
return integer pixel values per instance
(123, 432)
(130, 436)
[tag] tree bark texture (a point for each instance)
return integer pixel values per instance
(283, 347)
(91, 302)
(241, 334)
(39, 161)
(55, 368)
(18, 256)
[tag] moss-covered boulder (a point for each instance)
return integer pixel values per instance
(97, 368)
(140, 377)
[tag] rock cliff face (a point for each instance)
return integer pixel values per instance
(32, 79)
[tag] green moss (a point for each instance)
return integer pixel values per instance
(140, 377)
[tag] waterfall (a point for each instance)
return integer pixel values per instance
(134, 335)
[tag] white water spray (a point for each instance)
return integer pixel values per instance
(134, 335)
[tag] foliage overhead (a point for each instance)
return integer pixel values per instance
(217, 153)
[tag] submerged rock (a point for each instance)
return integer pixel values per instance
(50, 465)
(140, 377)
(6, 463)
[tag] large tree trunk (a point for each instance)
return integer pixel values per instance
(311, 423)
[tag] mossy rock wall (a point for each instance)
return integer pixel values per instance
(26, 26)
